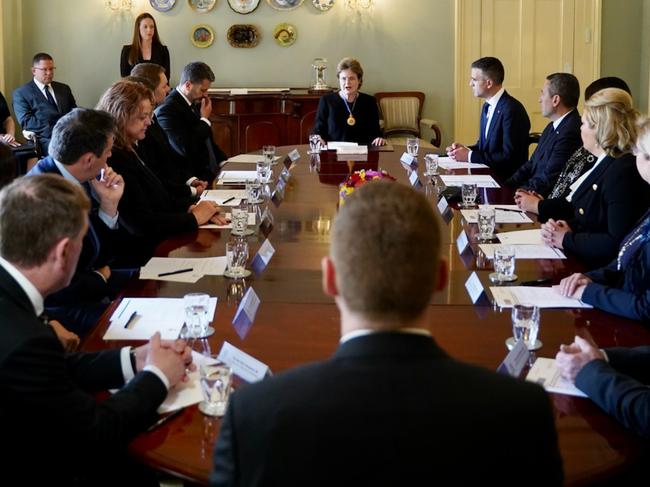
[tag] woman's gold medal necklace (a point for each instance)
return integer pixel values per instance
(351, 120)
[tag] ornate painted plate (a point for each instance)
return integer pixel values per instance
(202, 35)
(243, 6)
(243, 35)
(285, 34)
(323, 5)
(285, 4)
(202, 6)
(162, 5)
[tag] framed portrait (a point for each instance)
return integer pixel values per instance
(202, 35)
(243, 6)
(285, 4)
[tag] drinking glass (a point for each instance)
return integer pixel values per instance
(525, 325)
(197, 307)
(314, 144)
(254, 191)
(236, 258)
(412, 146)
(216, 384)
(263, 171)
(239, 219)
(504, 264)
(468, 191)
(431, 164)
(486, 224)
(268, 151)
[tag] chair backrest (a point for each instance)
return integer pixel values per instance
(401, 111)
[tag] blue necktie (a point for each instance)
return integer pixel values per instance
(49, 97)
(484, 113)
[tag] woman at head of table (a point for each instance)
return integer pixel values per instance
(348, 115)
(623, 286)
(145, 47)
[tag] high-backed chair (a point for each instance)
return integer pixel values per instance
(401, 117)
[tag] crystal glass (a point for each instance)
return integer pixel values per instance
(254, 191)
(412, 146)
(268, 151)
(486, 224)
(216, 384)
(263, 171)
(431, 164)
(237, 257)
(239, 220)
(197, 307)
(314, 144)
(504, 264)
(469, 192)
(525, 325)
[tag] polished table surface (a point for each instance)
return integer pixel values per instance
(297, 323)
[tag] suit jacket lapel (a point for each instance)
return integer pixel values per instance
(595, 175)
(37, 93)
(496, 116)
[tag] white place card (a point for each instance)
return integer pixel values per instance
(294, 155)
(516, 360)
(245, 314)
(408, 160)
(243, 365)
(442, 205)
(545, 373)
(285, 174)
(462, 242)
(474, 287)
(262, 257)
(415, 180)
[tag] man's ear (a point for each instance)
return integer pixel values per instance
(329, 277)
(443, 275)
(87, 160)
(60, 253)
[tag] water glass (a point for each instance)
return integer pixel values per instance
(525, 325)
(216, 384)
(412, 146)
(239, 219)
(469, 192)
(268, 151)
(236, 258)
(504, 264)
(431, 164)
(486, 224)
(197, 306)
(254, 191)
(314, 144)
(263, 171)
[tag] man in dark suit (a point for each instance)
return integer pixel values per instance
(188, 126)
(57, 432)
(560, 139)
(504, 128)
(390, 407)
(41, 102)
(616, 379)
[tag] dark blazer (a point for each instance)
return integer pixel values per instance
(332, 115)
(38, 115)
(146, 207)
(189, 136)
(620, 387)
(387, 409)
(551, 154)
(159, 56)
(506, 147)
(48, 409)
(603, 210)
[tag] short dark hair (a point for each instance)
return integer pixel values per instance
(492, 69)
(195, 72)
(150, 72)
(41, 56)
(36, 213)
(566, 86)
(7, 165)
(81, 131)
(142, 80)
(606, 82)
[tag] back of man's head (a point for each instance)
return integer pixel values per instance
(386, 253)
(35, 214)
(150, 72)
(566, 86)
(492, 69)
(41, 56)
(195, 72)
(81, 131)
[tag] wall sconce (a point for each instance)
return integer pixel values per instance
(358, 6)
(116, 5)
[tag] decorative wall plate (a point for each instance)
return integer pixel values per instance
(243, 35)
(202, 35)
(285, 4)
(243, 6)
(202, 6)
(162, 5)
(285, 34)
(323, 5)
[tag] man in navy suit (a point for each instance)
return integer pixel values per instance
(560, 139)
(188, 126)
(390, 407)
(503, 139)
(41, 102)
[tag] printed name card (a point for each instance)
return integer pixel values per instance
(262, 257)
(278, 192)
(245, 314)
(243, 365)
(285, 175)
(408, 160)
(294, 155)
(474, 287)
(442, 205)
(462, 242)
(415, 180)
(266, 223)
(516, 360)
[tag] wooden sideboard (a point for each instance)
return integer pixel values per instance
(245, 122)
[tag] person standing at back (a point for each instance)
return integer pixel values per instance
(145, 46)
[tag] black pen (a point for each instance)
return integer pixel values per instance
(508, 209)
(171, 273)
(228, 200)
(164, 419)
(537, 282)
(128, 322)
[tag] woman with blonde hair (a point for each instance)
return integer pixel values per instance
(605, 202)
(145, 46)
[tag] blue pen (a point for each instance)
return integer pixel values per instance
(128, 322)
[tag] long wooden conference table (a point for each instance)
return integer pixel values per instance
(296, 323)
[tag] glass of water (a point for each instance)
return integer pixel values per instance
(525, 325)
(268, 151)
(197, 319)
(412, 146)
(254, 191)
(314, 144)
(216, 385)
(486, 224)
(236, 259)
(468, 192)
(431, 164)
(263, 168)
(239, 219)
(504, 264)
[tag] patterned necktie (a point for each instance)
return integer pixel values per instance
(484, 114)
(49, 96)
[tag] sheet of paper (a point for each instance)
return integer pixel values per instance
(250, 158)
(449, 163)
(525, 251)
(353, 150)
(471, 216)
(334, 145)
(545, 373)
(213, 266)
(236, 177)
(251, 221)
(522, 237)
(542, 297)
(481, 180)
(186, 393)
(165, 315)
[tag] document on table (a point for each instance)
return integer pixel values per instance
(525, 251)
(250, 158)
(200, 266)
(545, 373)
(187, 393)
(220, 196)
(236, 177)
(140, 318)
(523, 237)
(542, 297)
(481, 180)
(449, 163)
(251, 221)
(501, 216)
(334, 145)
(353, 150)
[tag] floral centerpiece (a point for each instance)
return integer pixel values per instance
(359, 178)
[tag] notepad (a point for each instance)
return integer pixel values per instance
(525, 251)
(481, 180)
(236, 177)
(542, 297)
(545, 373)
(522, 237)
(449, 163)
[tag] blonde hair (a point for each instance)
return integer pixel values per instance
(351, 64)
(611, 114)
(643, 135)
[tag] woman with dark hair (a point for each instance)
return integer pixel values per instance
(145, 46)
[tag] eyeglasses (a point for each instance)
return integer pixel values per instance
(47, 70)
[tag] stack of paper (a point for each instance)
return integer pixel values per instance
(525, 251)
(182, 269)
(542, 297)
(449, 163)
(481, 180)
(521, 237)
(545, 373)
(224, 197)
(236, 177)
(352, 150)
(335, 145)
(503, 214)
